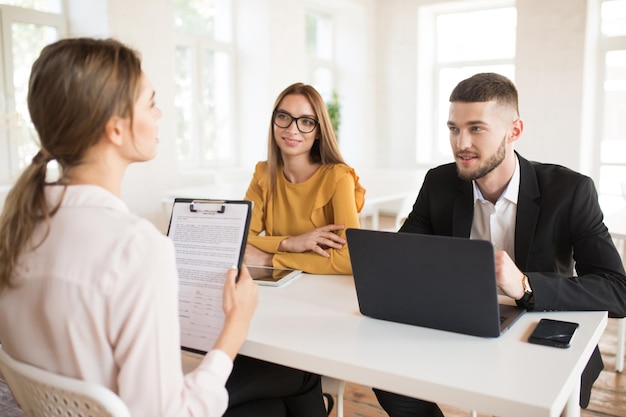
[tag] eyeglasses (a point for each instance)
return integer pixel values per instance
(304, 124)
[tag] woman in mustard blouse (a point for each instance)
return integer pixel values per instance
(304, 195)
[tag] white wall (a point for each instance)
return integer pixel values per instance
(549, 63)
(265, 69)
(270, 54)
(376, 51)
(550, 79)
(397, 83)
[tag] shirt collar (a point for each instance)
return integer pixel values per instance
(85, 195)
(511, 191)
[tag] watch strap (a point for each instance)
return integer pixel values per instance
(528, 300)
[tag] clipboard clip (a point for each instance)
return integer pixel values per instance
(207, 206)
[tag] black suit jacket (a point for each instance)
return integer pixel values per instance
(559, 226)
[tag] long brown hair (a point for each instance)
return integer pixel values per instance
(325, 148)
(76, 85)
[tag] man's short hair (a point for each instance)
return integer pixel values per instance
(485, 87)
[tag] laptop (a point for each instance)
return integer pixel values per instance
(444, 283)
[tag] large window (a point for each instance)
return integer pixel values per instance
(319, 42)
(612, 105)
(204, 84)
(457, 40)
(26, 26)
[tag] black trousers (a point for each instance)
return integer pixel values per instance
(262, 389)
(397, 405)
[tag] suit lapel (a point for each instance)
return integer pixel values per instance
(463, 213)
(527, 212)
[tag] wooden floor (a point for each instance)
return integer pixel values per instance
(608, 397)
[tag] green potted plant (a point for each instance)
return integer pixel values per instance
(334, 111)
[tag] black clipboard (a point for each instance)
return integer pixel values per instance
(209, 237)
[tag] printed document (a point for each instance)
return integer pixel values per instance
(209, 238)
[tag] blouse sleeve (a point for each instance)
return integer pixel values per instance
(257, 193)
(144, 331)
(346, 200)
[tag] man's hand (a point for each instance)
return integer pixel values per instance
(508, 276)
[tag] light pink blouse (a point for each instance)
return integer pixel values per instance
(97, 300)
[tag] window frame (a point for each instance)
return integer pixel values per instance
(605, 44)
(315, 63)
(9, 161)
(199, 45)
(429, 70)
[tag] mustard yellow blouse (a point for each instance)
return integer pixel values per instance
(332, 195)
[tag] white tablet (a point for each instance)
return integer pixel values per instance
(275, 277)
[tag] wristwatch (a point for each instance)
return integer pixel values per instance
(527, 300)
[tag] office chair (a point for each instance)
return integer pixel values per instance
(40, 393)
(621, 324)
(621, 337)
(405, 209)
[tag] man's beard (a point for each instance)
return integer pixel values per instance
(489, 165)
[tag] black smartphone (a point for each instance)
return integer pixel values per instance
(554, 333)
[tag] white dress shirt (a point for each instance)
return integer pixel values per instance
(97, 300)
(496, 222)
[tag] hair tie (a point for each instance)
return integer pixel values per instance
(42, 157)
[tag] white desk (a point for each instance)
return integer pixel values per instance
(313, 323)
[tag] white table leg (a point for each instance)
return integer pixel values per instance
(375, 218)
(621, 327)
(619, 351)
(572, 408)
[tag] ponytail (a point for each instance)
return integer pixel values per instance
(24, 207)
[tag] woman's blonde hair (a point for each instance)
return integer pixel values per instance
(76, 85)
(325, 148)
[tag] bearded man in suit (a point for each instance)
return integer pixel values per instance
(544, 220)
